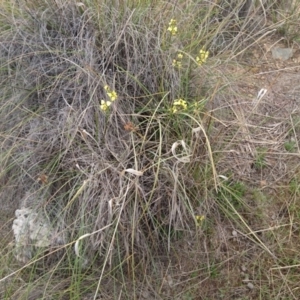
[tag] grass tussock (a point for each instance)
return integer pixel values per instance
(120, 127)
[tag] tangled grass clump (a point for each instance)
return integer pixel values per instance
(85, 103)
(129, 150)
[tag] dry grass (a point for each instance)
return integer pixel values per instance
(126, 188)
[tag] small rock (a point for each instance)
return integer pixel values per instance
(145, 294)
(282, 53)
(250, 286)
(243, 268)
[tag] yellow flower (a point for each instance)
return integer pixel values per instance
(105, 105)
(177, 62)
(178, 104)
(110, 93)
(203, 55)
(199, 220)
(172, 27)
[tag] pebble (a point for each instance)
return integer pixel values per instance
(282, 53)
(145, 294)
(250, 286)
